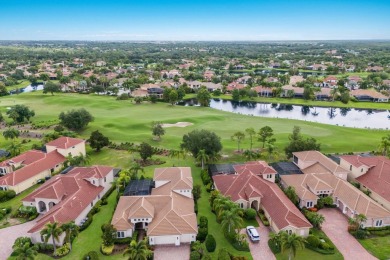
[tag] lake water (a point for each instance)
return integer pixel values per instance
(30, 88)
(349, 117)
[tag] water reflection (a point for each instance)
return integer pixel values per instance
(359, 118)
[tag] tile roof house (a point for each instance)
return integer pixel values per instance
(68, 197)
(167, 214)
(263, 91)
(253, 186)
(369, 95)
(373, 173)
(23, 171)
(323, 177)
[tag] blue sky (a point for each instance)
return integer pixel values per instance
(239, 20)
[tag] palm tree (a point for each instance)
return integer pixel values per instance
(231, 219)
(202, 157)
(70, 229)
(11, 133)
(384, 146)
(138, 251)
(174, 153)
(238, 136)
(135, 168)
(251, 132)
(291, 194)
(334, 93)
(26, 251)
(52, 230)
(14, 148)
(292, 242)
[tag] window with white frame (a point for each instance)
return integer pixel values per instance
(120, 234)
(378, 223)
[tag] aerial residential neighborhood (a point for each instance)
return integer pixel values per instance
(194, 130)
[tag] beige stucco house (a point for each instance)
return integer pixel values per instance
(167, 214)
(253, 186)
(68, 197)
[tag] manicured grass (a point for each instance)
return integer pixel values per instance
(377, 246)
(22, 84)
(123, 121)
(16, 202)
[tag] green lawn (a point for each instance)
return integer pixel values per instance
(123, 121)
(16, 202)
(307, 254)
(377, 246)
(22, 84)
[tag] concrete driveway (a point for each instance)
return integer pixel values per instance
(181, 252)
(260, 250)
(336, 228)
(10, 234)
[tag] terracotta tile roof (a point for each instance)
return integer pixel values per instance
(24, 158)
(282, 211)
(368, 92)
(77, 194)
(299, 184)
(65, 142)
(377, 178)
(171, 212)
(49, 161)
(257, 167)
(310, 158)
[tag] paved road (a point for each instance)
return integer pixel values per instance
(10, 234)
(181, 252)
(260, 250)
(336, 228)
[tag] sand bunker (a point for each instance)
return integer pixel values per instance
(178, 124)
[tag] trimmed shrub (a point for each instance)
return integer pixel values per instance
(43, 247)
(123, 241)
(210, 242)
(6, 195)
(274, 246)
(107, 250)
(313, 241)
(250, 214)
(263, 218)
(203, 222)
(223, 254)
(195, 255)
(202, 234)
(92, 255)
(63, 250)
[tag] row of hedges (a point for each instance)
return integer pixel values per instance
(314, 243)
(203, 229)
(6, 195)
(263, 218)
(205, 177)
(238, 245)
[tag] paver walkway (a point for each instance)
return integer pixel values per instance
(10, 234)
(260, 250)
(335, 227)
(181, 252)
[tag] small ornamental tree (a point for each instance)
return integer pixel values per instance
(145, 151)
(97, 140)
(109, 234)
(157, 129)
(210, 242)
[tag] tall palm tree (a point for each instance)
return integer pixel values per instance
(52, 230)
(70, 229)
(135, 168)
(251, 133)
(202, 157)
(231, 219)
(26, 251)
(138, 251)
(238, 136)
(174, 153)
(292, 242)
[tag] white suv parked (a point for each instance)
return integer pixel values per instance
(253, 234)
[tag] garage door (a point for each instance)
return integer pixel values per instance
(164, 240)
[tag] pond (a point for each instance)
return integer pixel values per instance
(349, 117)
